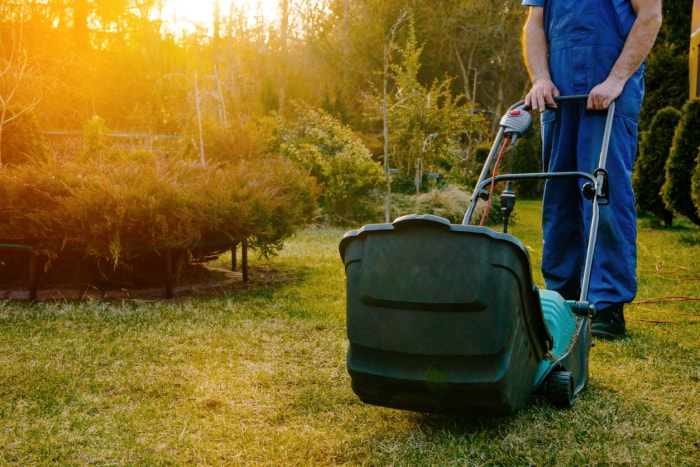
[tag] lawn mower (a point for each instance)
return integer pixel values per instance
(445, 317)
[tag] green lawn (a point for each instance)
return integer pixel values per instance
(258, 377)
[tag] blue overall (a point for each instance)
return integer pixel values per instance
(585, 38)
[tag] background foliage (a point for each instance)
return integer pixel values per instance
(681, 163)
(336, 157)
(650, 166)
(308, 85)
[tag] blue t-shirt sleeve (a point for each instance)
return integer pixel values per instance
(533, 2)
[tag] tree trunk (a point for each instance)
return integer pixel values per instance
(284, 26)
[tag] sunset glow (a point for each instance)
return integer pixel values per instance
(186, 15)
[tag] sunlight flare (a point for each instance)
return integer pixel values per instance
(183, 16)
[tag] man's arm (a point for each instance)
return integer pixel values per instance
(536, 51)
(639, 42)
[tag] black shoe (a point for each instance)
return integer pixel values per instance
(609, 323)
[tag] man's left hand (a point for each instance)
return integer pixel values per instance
(603, 94)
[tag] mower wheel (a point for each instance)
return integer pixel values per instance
(560, 389)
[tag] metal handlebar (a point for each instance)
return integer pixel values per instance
(572, 97)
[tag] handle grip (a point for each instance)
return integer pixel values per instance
(558, 99)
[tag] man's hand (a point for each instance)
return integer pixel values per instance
(603, 94)
(542, 94)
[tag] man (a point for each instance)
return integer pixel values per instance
(594, 47)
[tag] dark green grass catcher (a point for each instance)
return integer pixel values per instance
(445, 317)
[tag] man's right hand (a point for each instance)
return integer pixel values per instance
(541, 95)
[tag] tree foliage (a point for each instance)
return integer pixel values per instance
(528, 159)
(649, 170)
(681, 163)
(667, 65)
(666, 61)
(336, 157)
(695, 185)
(457, 68)
(117, 59)
(430, 129)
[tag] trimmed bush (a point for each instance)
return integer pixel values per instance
(115, 213)
(696, 184)
(681, 163)
(649, 169)
(666, 77)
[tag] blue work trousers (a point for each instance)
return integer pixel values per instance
(584, 43)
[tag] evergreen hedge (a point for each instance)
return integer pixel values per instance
(681, 163)
(116, 212)
(695, 186)
(649, 171)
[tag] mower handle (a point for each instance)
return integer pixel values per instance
(557, 99)
(573, 97)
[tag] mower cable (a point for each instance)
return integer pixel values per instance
(493, 180)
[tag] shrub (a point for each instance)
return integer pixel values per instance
(450, 203)
(120, 211)
(696, 184)
(665, 61)
(337, 159)
(23, 141)
(649, 170)
(681, 163)
(263, 201)
(528, 159)
(94, 132)
(30, 195)
(119, 208)
(525, 158)
(242, 139)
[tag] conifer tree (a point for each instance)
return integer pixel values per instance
(681, 163)
(649, 171)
